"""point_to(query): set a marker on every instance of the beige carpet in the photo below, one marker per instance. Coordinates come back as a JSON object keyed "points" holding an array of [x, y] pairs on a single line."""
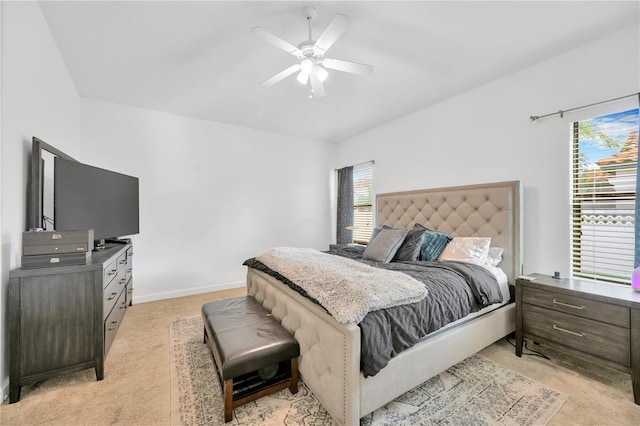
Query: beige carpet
{"points": [[476, 391], [136, 389]]}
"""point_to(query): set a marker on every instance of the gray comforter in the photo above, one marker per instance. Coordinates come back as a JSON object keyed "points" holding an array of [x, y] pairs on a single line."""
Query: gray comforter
{"points": [[455, 289]]}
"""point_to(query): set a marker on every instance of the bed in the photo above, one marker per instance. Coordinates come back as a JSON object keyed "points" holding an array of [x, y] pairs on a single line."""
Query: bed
{"points": [[330, 351]]}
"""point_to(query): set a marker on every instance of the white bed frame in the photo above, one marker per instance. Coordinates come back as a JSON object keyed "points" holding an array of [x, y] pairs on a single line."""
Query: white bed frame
{"points": [[329, 360]]}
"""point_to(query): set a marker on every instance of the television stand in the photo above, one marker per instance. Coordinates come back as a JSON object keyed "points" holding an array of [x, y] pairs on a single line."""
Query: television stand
{"points": [[99, 245], [117, 240]]}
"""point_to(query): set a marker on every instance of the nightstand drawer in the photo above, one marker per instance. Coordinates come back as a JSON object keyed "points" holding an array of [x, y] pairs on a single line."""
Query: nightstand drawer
{"points": [[605, 341], [586, 308]]}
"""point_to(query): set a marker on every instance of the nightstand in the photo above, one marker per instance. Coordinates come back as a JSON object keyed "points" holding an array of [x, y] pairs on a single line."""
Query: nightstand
{"points": [[596, 321]]}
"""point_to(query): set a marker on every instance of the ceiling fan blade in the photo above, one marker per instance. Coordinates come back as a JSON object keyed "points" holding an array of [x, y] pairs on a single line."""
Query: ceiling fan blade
{"points": [[280, 76], [316, 86], [334, 30], [276, 41], [347, 66]]}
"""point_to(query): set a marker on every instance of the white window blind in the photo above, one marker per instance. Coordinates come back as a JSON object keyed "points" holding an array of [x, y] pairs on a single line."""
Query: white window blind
{"points": [[362, 202], [603, 184]]}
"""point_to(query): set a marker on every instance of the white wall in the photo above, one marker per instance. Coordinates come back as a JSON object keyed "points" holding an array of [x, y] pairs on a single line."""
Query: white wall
{"points": [[485, 135], [38, 99], [211, 194]]}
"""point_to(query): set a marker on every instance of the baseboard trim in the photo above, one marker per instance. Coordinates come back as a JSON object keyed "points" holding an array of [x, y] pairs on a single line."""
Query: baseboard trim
{"points": [[186, 292]]}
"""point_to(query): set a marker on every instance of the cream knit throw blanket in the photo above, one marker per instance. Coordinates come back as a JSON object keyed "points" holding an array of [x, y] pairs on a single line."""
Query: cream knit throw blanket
{"points": [[347, 289]]}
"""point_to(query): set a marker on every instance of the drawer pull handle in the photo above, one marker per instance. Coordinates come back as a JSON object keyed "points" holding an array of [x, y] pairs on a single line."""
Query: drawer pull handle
{"points": [[555, 327], [568, 305], [112, 272], [113, 295], [112, 328]]}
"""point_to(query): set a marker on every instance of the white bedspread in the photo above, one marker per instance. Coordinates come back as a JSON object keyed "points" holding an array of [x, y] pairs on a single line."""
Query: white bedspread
{"points": [[347, 289]]}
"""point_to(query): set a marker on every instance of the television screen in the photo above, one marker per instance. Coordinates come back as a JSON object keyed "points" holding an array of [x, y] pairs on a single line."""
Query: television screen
{"points": [[87, 197]]}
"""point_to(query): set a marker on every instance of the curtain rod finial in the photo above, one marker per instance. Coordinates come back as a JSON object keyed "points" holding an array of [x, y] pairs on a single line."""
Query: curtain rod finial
{"points": [[533, 117]]}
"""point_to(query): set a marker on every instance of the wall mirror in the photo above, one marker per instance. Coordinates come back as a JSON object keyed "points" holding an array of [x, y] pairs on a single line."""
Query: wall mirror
{"points": [[40, 211]]}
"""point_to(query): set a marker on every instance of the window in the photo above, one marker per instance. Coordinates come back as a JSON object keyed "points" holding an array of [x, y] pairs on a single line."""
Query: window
{"points": [[604, 162], [362, 203]]}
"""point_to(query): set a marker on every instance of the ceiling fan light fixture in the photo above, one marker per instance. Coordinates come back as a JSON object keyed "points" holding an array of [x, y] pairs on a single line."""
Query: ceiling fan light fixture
{"points": [[306, 66], [321, 73], [302, 77]]}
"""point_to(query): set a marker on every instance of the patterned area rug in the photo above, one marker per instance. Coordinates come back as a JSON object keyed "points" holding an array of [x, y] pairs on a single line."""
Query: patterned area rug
{"points": [[476, 391]]}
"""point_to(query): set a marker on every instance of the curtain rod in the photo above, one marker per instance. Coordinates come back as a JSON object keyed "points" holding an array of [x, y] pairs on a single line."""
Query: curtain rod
{"points": [[561, 112], [362, 162]]}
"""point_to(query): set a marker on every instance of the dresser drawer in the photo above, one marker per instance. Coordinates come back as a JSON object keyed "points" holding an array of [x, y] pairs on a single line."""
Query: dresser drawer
{"points": [[596, 338], [112, 323], [129, 264], [122, 260], [109, 298], [109, 273], [112, 291], [574, 305]]}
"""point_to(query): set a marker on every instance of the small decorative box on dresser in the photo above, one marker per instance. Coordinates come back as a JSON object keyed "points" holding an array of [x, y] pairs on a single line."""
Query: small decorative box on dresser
{"points": [[65, 318], [596, 321]]}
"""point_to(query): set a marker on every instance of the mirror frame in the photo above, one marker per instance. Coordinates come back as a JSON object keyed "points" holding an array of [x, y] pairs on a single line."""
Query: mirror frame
{"points": [[36, 186]]}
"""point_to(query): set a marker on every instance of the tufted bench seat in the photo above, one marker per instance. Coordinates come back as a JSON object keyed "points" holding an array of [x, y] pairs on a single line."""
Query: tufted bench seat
{"points": [[255, 356]]}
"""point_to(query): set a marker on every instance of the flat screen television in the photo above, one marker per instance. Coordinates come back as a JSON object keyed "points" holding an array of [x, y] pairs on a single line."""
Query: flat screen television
{"points": [[87, 197]]}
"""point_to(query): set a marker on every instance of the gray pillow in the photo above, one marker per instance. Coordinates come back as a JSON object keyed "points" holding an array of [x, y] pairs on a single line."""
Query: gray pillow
{"points": [[410, 248], [385, 245], [375, 231]]}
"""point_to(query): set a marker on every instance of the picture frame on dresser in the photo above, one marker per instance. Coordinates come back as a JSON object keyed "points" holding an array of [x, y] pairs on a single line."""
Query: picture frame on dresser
{"points": [[599, 322]]}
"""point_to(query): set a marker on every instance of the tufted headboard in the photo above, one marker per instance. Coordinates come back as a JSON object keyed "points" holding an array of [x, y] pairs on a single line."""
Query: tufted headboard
{"points": [[484, 210]]}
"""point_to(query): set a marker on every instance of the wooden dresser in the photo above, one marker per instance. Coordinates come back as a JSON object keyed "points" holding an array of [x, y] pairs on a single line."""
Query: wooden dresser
{"points": [[596, 321], [65, 318]]}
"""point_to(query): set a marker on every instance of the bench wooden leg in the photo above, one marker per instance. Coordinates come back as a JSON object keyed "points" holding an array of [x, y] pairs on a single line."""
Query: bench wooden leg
{"points": [[228, 400], [294, 375]]}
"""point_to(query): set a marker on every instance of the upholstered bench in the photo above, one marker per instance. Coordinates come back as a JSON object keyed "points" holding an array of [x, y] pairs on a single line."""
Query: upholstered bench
{"points": [[255, 356]]}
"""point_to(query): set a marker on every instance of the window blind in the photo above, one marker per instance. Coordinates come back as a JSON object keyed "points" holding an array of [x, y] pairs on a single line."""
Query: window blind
{"points": [[362, 202], [604, 163]]}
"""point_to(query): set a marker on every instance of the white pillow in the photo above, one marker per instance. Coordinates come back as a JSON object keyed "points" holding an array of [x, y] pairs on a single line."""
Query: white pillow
{"points": [[467, 249], [495, 256]]}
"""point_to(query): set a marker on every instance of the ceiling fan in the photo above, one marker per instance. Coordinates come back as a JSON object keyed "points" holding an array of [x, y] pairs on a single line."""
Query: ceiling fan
{"points": [[312, 64]]}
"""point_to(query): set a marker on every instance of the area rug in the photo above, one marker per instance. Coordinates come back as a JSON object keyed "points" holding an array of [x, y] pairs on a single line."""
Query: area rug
{"points": [[476, 391]]}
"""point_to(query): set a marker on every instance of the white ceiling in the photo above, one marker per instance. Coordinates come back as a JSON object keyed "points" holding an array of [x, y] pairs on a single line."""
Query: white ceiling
{"points": [[199, 59]]}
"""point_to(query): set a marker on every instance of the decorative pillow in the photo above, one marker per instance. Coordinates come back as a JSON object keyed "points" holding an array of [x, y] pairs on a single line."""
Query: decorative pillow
{"points": [[467, 249], [375, 231], [495, 256], [410, 248], [385, 245], [433, 242]]}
